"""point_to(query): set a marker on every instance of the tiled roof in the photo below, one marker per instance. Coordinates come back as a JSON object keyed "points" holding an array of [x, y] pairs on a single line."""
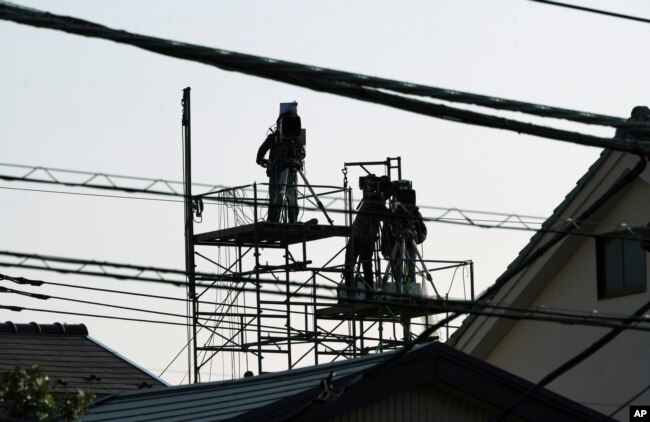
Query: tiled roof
{"points": [[71, 358]]}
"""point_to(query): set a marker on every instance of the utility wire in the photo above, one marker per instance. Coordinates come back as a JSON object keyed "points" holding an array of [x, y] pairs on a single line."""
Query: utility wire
{"points": [[571, 315], [87, 302], [113, 183], [619, 408], [515, 269], [22, 308], [599, 344], [598, 11], [360, 87], [288, 72], [92, 194], [462, 306], [510, 218], [466, 215], [451, 303], [506, 223]]}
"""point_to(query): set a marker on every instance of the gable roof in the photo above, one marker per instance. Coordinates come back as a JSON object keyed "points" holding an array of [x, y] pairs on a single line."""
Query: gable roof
{"points": [[607, 159], [71, 358], [278, 395]]}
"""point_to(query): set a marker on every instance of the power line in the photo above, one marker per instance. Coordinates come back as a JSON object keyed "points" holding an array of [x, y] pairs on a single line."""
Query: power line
{"points": [[135, 272], [462, 306], [293, 72], [588, 9], [634, 397], [523, 263], [509, 218], [504, 220], [507, 222], [234, 277], [147, 184], [449, 306], [597, 345], [87, 302], [359, 87], [98, 180], [22, 308], [91, 194]]}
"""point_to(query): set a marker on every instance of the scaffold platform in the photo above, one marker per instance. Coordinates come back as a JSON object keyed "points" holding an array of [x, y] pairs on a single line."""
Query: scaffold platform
{"points": [[267, 234], [374, 312]]}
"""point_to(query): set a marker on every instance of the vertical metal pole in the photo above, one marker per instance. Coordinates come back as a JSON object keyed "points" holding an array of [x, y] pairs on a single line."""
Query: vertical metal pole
{"points": [[471, 277], [257, 281], [354, 324], [447, 316], [313, 286], [381, 326], [288, 293], [189, 224], [361, 338], [350, 210], [399, 168]]}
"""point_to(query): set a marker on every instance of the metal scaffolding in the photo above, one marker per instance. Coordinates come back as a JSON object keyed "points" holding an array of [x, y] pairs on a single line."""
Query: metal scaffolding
{"points": [[261, 302]]}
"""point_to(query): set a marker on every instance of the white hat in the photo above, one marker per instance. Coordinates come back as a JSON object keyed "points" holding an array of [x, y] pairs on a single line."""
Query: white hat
{"points": [[288, 108]]}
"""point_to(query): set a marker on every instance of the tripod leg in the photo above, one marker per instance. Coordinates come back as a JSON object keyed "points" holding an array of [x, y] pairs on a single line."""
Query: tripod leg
{"points": [[283, 193], [318, 202], [424, 267], [390, 265], [402, 265]]}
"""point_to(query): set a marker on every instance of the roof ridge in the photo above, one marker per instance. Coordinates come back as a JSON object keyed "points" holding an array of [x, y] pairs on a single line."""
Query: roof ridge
{"points": [[35, 328]]}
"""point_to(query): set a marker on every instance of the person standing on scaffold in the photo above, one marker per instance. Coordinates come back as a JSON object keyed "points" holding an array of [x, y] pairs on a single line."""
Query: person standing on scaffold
{"points": [[364, 232], [285, 146], [400, 237]]}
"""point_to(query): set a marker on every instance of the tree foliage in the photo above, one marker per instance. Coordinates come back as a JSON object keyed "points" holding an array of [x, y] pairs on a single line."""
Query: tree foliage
{"points": [[26, 395]]}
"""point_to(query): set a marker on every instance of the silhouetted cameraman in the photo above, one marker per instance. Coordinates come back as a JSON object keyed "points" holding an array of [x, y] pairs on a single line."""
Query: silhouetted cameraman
{"points": [[364, 231], [285, 145], [403, 232]]}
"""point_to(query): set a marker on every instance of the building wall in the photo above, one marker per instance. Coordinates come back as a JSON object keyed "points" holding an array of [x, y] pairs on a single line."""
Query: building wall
{"points": [[619, 370], [418, 404]]}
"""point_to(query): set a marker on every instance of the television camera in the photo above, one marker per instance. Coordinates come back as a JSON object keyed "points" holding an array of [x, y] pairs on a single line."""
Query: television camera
{"points": [[372, 186], [290, 144], [402, 205], [291, 140]]}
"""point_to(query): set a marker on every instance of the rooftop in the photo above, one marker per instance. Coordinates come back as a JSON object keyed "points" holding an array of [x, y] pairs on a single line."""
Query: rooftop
{"points": [[71, 358]]}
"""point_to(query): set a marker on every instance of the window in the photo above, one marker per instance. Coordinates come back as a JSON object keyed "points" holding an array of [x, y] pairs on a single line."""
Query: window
{"points": [[621, 265]]}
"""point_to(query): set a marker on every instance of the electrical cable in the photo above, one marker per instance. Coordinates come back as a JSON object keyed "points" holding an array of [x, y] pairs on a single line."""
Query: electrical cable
{"points": [[627, 402], [511, 218], [575, 360], [474, 222], [360, 87], [23, 308], [507, 311], [493, 288], [87, 302], [417, 301], [588, 9]]}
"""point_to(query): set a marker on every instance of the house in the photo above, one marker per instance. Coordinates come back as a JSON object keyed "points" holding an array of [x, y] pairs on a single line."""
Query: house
{"points": [[71, 358], [601, 268], [430, 382]]}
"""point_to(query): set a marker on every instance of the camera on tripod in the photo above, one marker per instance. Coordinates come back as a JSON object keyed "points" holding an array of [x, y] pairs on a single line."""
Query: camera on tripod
{"points": [[291, 139], [373, 185], [402, 204]]}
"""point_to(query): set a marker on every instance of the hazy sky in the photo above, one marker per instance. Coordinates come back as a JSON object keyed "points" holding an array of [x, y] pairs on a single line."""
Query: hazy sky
{"points": [[77, 103]]}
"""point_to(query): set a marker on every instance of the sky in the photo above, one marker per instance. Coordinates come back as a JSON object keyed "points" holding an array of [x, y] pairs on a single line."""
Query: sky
{"points": [[77, 103]]}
